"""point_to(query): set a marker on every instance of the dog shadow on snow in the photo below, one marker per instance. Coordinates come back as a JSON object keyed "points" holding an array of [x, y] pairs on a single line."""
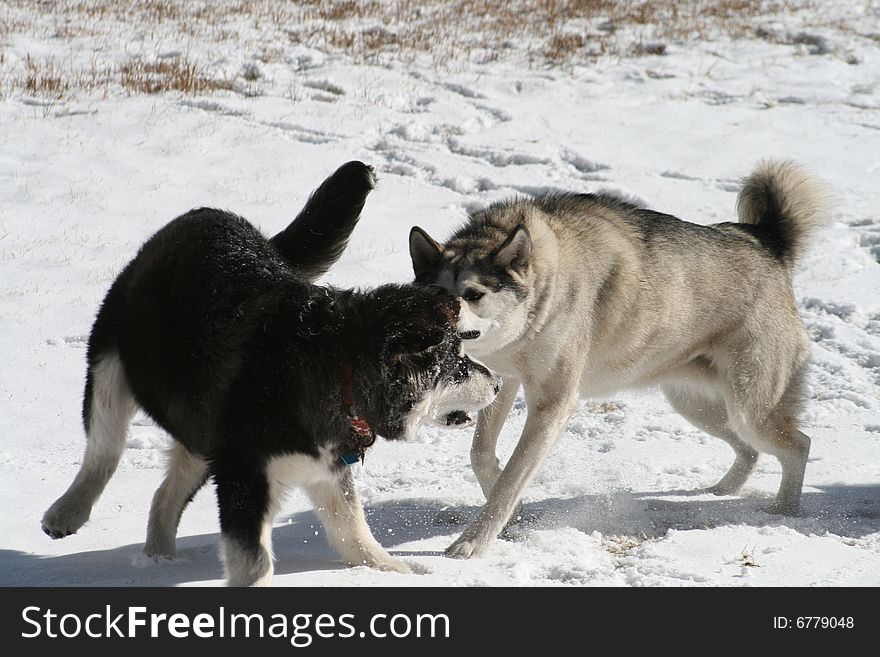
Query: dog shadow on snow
{"points": [[847, 511], [300, 545]]}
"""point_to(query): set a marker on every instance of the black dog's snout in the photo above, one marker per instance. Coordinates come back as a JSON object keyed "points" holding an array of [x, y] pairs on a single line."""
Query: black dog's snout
{"points": [[469, 335]]}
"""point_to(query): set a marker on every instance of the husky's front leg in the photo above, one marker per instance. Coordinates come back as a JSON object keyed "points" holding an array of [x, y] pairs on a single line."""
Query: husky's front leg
{"points": [[484, 460], [342, 515], [545, 421]]}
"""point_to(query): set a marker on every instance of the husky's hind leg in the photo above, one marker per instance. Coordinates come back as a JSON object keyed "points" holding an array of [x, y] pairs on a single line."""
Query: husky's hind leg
{"points": [[710, 415], [778, 435], [764, 413], [107, 409]]}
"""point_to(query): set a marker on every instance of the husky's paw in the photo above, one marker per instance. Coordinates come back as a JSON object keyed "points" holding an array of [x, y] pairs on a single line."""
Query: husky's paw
{"points": [[64, 518], [466, 548]]}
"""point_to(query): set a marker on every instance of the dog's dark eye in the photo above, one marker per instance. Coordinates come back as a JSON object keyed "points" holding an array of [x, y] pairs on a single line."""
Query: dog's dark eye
{"points": [[462, 370], [472, 295]]}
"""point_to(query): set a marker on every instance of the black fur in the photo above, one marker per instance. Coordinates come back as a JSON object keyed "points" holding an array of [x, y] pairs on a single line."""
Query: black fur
{"points": [[317, 237], [311, 244], [777, 232], [221, 337], [240, 359]]}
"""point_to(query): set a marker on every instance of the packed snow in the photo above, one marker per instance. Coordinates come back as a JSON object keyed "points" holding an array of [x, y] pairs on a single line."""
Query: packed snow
{"points": [[619, 501]]}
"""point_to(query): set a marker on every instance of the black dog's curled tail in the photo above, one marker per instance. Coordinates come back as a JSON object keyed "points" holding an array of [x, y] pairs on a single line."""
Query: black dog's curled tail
{"points": [[313, 242], [785, 205]]}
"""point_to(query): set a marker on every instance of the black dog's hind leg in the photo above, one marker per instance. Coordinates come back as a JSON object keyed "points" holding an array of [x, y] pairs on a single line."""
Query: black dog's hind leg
{"points": [[107, 409], [313, 241], [187, 473]]}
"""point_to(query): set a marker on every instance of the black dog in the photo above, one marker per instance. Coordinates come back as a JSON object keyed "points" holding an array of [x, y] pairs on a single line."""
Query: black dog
{"points": [[264, 379]]}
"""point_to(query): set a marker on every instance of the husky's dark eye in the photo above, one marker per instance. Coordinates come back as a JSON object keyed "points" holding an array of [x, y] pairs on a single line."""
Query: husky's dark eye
{"points": [[472, 295]]}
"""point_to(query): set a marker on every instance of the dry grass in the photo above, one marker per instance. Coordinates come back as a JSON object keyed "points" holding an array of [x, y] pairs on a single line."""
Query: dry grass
{"points": [[747, 558], [43, 79], [444, 33], [173, 74], [563, 46]]}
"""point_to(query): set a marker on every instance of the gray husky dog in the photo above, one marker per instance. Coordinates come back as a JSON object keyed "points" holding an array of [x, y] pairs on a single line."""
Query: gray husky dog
{"points": [[582, 295]]}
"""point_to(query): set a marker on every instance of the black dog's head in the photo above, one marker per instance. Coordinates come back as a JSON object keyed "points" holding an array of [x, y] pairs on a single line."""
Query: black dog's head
{"points": [[413, 368]]}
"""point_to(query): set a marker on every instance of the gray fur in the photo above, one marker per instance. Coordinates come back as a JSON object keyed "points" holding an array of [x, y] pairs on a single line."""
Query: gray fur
{"points": [[617, 296]]}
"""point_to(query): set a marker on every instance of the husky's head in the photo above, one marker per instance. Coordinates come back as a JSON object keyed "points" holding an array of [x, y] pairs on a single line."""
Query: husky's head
{"points": [[424, 374], [488, 268]]}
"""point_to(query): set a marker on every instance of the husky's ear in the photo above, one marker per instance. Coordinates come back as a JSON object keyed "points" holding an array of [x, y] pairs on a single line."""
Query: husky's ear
{"points": [[413, 339], [426, 254], [514, 253]]}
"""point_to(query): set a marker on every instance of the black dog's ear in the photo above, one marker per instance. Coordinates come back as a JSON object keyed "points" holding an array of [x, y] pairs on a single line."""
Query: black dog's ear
{"points": [[515, 251], [413, 339], [313, 241], [426, 254]]}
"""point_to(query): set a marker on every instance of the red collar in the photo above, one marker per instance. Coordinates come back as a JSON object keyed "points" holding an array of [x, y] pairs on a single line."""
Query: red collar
{"points": [[364, 435]]}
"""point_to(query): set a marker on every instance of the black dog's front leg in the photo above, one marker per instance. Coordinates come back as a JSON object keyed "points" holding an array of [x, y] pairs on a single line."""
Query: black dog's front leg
{"points": [[246, 514]]}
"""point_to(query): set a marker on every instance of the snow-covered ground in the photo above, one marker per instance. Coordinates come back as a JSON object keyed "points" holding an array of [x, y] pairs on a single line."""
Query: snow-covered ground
{"points": [[84, 181]]}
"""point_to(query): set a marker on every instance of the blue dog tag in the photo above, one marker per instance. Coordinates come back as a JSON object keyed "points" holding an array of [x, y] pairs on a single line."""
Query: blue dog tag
{"points": [[350, 458]]}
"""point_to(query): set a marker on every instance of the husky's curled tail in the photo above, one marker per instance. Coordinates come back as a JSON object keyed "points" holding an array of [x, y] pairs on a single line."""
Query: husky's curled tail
{"points": [[785, 204]]}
